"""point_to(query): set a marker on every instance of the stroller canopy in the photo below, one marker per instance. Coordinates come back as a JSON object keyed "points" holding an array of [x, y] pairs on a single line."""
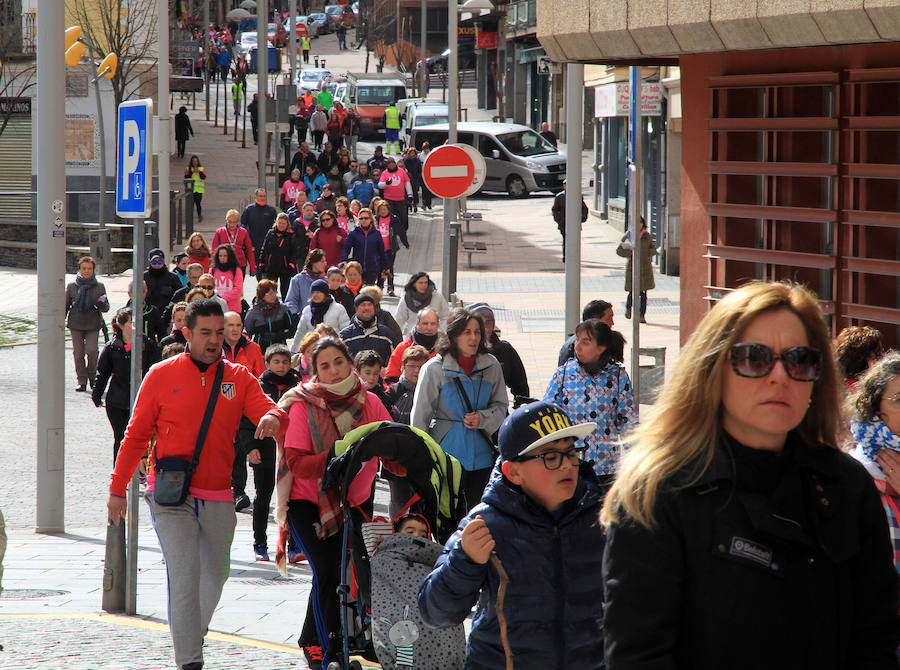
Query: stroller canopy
{"points": [[431, 472]]}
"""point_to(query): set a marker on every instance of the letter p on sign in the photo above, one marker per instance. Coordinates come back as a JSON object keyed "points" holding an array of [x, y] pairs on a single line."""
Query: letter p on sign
{"points": [[133, 198]]}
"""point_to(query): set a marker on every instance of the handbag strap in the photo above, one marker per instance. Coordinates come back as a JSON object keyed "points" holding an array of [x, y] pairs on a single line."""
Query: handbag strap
{"points": [[207, 416], [468, 404]]}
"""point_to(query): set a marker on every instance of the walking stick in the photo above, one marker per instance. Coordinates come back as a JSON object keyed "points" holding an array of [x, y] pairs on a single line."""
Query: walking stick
{"points": [[501, 617]]}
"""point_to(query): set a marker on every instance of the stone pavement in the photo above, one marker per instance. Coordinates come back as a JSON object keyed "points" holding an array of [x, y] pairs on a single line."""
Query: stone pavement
{"points": [[49, 617]]}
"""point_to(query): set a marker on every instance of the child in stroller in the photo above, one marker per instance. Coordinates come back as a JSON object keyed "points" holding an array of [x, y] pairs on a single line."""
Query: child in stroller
{"points": [[400, 563]]}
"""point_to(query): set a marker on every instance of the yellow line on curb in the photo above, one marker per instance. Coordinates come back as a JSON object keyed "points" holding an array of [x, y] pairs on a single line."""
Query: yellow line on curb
{"points": [[137, 622]]}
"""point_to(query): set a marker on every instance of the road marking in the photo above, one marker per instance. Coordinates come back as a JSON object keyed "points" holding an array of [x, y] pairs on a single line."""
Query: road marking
{"points": [[138, 622], [438, 172]]}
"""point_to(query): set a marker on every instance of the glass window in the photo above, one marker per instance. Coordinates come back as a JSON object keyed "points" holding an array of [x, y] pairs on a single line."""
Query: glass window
{"points": [[526, 143], [375, 95]]}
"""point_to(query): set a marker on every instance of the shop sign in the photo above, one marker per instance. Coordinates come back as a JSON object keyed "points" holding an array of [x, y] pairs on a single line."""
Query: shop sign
{"points": [[615, 99], [486, 40]]}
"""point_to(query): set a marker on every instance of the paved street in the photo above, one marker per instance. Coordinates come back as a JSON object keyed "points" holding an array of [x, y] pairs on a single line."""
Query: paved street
{"points": [[54, 583]]}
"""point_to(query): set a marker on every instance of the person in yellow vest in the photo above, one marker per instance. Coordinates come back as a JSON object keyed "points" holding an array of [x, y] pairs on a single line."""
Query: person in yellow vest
{"points": [[305, 43], [197, 175], [237, 95], [391, 128]]}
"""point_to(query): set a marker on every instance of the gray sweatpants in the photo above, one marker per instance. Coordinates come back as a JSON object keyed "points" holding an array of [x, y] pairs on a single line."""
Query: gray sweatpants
{"points": [[195, 539]]}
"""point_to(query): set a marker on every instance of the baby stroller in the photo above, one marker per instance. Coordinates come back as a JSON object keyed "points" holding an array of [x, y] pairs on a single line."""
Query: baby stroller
{"points": [[434, 478]]}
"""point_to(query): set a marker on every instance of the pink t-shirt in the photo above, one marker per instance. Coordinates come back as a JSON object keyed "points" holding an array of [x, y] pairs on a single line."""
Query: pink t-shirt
{"points": [[384, 227], [290, 189], [395, 184], [298, 437]]}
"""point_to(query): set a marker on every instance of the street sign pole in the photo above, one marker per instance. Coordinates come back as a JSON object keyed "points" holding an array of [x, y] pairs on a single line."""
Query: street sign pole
{"points": [[162, 68], [574, 143], [134, 200], [262, 74], [51, 264], [636, 173]]}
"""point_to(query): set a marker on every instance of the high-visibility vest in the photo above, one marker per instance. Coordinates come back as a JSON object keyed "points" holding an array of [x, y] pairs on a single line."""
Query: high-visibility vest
{"points": [[392, 117], [305, 42], [199, 186], [236, 91]]}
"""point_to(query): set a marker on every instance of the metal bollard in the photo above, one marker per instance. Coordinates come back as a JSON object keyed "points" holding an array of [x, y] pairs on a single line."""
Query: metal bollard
{"points": [[114, 569], [652, 376]]}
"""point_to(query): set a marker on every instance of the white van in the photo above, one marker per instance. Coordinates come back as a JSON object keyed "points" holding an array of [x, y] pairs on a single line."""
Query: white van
{"points": [[420, 114], [518, 159]]}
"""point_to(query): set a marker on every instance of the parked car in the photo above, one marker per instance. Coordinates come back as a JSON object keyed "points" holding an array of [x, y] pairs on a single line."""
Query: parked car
{"points": [[248, 42], [518, 160], [311, 77], [325, 25], [440, 63], [417, 113]]}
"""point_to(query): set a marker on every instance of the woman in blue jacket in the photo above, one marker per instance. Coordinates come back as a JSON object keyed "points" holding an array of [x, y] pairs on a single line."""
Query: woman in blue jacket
{"points": [[314, 181], [366, 246], [461, 400]]}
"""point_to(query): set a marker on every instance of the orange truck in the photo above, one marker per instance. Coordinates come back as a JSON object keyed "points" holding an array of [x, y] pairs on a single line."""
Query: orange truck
{"points": [[371, 93]]}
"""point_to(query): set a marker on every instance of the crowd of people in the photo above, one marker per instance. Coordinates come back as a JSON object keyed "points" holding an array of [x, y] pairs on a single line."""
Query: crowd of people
{"points": [[760, 496]]}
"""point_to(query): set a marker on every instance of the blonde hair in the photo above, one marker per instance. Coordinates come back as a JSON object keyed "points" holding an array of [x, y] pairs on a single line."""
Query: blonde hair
{"points": [[373, 291], [684, 428], [231, 213]]}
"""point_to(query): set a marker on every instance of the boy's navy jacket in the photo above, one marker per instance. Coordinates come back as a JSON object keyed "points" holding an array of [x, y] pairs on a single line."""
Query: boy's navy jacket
{"points": [[554, 599]]}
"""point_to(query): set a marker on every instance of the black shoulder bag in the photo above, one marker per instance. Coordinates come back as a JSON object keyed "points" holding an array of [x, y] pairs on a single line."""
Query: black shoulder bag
{"points": [[468, 404], [173, 473]]}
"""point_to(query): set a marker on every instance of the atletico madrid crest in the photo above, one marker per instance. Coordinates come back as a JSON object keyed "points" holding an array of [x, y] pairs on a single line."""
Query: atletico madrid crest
{"points": [[228, 390]]}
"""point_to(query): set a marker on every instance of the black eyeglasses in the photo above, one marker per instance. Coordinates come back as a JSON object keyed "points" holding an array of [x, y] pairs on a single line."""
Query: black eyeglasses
{"points": [[802, 364], [553, 460]]}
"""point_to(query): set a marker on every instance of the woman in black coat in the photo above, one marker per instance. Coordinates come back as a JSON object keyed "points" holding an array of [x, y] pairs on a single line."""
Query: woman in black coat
{"points": [[183, 129], [278, 253], [739, 535], [114, 368]]}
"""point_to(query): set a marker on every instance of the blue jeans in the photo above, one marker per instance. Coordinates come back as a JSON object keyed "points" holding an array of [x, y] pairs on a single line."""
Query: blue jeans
{"points": [[628, 301]]}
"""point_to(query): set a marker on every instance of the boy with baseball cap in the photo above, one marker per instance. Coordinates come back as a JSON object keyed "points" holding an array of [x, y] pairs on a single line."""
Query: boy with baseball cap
{"points": [[537, 524]]}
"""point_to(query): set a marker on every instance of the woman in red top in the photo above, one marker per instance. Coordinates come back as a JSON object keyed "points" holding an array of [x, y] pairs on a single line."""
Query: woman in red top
{"points": [[323, 410], [238, 239], [329, 238], [197, 251]]}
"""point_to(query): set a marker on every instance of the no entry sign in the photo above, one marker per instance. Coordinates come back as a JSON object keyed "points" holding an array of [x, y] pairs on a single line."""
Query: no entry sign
{"points": [[452, 171]]}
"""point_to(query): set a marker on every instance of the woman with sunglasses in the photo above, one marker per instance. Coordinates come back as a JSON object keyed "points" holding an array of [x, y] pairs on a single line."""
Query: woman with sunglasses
{"points": [[329, 238], [738, 534]]}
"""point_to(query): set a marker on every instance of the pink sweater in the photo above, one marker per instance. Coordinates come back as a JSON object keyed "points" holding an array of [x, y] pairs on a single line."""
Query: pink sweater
{"points": [[230, 287], [299, 438]]}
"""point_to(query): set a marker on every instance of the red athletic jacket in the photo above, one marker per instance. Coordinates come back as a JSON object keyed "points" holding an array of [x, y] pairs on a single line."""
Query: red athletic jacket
{"points": [[246, 352], [171, 401]]}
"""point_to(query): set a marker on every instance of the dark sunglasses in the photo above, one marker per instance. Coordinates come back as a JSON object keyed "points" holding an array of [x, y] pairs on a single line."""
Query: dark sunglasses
{"points": [[156, 262], [365, 218], [802, 364]]}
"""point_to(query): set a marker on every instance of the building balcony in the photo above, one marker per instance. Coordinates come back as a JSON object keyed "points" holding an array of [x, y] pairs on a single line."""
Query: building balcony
{"points": [[521, 18]]}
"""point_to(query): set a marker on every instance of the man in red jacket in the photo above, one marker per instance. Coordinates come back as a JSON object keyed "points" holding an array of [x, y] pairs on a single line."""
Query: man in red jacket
{"points": [[241, 350], [195, 537]]}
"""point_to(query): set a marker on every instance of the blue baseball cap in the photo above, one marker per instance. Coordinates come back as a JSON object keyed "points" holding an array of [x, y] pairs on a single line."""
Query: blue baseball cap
{"points": [[536, 424]]}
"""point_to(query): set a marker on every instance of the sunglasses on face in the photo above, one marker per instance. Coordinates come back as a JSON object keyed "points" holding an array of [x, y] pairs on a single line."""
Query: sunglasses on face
{"points": [[156, 262], [553, 460], [365, 218], [802, 364], [207, 287]]}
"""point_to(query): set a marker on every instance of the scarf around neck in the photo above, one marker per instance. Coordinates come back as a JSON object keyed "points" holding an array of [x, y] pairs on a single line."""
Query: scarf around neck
{"points": [[83, 299], [319, 309], [427, 341], [354, 288], [419, 301], [332, 411], [873, 436]]}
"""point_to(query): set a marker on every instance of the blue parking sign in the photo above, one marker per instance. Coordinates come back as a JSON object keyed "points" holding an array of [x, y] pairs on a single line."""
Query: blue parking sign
{"points": [[133, 164]]}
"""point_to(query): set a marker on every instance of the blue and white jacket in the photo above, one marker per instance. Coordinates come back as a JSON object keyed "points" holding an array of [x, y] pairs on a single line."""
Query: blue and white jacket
{"points": [[604, 398], [438, 408]]}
